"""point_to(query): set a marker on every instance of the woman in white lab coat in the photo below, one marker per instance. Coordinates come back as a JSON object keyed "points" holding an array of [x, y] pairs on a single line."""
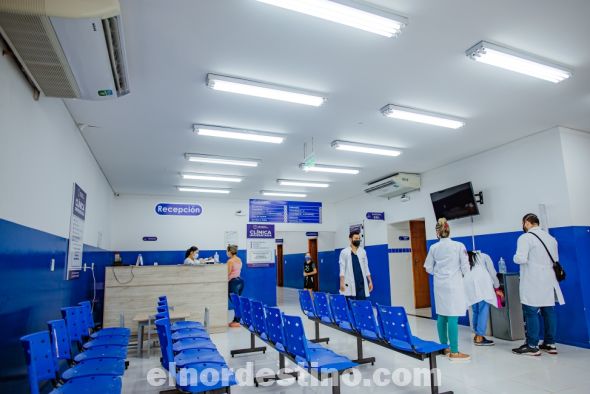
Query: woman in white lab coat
{"points": [[447, 261], [481, 287]]}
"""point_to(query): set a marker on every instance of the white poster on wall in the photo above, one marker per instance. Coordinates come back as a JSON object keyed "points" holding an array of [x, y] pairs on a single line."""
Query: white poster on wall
{"points": [[261, 245], [230, 238], [76, 240]]}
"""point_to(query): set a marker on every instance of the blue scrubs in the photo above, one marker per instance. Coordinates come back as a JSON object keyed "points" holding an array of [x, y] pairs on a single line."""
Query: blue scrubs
{"points": [[359, 281]]}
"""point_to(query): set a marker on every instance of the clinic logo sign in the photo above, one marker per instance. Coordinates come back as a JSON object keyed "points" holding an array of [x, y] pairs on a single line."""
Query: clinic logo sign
{"points": [[261, 231], [167, 209]]}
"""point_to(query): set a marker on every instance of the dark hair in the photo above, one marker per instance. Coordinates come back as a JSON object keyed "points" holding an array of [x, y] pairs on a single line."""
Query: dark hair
{"points": [[353, 233], [190, 250], [531, 218], [472, 258]]}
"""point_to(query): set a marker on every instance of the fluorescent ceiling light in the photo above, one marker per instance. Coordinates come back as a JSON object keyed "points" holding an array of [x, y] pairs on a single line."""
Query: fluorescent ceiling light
{"points": [[264, 90], [286, 182], [208, 177], [420, 116], [365, 148], [201, 190], [329, 169], [282, 194], [230, 161], [517, 61], [237, 134], [353, 14]]}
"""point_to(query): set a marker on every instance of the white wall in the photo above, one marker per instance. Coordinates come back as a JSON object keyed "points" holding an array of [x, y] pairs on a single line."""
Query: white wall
{"points": [[576, 156], [134, 217], [400, 267], [515, 178], [41, 155]]}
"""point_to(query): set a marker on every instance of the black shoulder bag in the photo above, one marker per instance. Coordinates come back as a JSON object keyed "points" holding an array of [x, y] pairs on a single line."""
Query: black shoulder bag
{"points": [[559, 272]]}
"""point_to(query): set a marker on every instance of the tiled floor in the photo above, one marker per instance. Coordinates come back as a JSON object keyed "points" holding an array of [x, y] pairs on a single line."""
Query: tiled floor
{"points": [[492, 369]]}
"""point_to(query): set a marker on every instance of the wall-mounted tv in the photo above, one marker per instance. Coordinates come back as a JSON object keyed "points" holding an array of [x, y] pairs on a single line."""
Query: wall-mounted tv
{"points": [[455, 202]]}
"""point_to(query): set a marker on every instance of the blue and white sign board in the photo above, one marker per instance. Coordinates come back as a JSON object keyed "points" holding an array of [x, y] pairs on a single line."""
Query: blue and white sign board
{"points": [[150, 239], [261, 245], [376, 215], [76, 240], [404, 237], [164, 208], [312, 234], [273, 211]]}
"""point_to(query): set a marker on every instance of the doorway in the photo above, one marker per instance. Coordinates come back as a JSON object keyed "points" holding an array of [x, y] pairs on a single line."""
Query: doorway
{"points": [[280, 262], [312, 248], [418, 245]]}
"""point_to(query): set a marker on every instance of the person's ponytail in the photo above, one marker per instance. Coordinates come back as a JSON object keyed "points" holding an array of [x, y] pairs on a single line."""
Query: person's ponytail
{"points": [[442, 228]]}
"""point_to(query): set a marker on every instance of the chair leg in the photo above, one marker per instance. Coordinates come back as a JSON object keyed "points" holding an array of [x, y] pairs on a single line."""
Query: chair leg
{"points": [[317, 338], [335, 376], [251, 349], [359, 352], [433, 375]]}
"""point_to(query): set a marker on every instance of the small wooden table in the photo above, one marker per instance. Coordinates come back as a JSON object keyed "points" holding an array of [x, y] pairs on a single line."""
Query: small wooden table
{"points": [[145, 320]]}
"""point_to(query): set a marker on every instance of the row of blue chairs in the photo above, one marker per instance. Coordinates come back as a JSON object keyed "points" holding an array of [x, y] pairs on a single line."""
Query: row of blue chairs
{"points": [[186, 344], [286, 335], [388, 328], [95, 360]]}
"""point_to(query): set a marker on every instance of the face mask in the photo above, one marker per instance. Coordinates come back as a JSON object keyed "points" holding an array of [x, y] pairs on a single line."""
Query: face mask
{"points": [[308, 259], [357, 243], [197, 255]]}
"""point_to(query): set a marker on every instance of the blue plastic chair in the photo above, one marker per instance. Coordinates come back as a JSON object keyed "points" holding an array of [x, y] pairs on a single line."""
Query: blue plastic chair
{"points": [[246, 313], [258, 319], [179, 325], [364, 319], [319, 359], [341, 312], [397, 332], [74, 317], [225, 374], [274, 328], [88, 320], [306, 303], [42, 366], [322, 307], [235, 300]]}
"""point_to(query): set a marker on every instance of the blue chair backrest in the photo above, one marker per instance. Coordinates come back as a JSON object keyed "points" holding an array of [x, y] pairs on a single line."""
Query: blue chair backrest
{"points": [[341, 312], [296, 342], [246, 312], [364, 318], [322, 307], [307, 303], [162, 308], [41, 363], [235, 299], [88, 319], [258, 318], [162, 298], [74, 323], [394, 322], [165, 338], [274, 327], [60, 341]]}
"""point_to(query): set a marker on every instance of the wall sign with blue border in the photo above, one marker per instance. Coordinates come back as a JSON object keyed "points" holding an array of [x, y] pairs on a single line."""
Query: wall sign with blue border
{"points": [[271, 211], [312, 234], [178, 209], [150, 239], [376, 215]]}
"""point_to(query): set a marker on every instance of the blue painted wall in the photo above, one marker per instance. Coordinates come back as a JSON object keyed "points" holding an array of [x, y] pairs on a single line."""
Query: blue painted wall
{"points": [[31, 294]]}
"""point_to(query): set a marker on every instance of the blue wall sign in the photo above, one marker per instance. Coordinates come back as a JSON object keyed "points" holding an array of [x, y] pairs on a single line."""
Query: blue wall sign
{"points": [[179, 209], [312, 234], [271, 211], [404, 238], [279, 240], [150, 239], [260, 231], [376, 215]]}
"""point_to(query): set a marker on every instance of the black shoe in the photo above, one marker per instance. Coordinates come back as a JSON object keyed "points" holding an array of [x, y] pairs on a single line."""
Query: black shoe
{"points": [[551, 349], [526, 350], [484, 342]]}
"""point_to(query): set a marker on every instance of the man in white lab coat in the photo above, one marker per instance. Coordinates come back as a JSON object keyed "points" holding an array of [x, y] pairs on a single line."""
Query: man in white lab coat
{"points": [[539, 289], [355, 277]]}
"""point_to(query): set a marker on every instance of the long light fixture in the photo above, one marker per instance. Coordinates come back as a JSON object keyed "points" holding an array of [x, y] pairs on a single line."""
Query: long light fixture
{"points": [[264, 90], [209, 177], [287, 182], [421, 116], [517, 61], [348, 13], [230, 161], [329, 169], [237, 134], [282, 194], [201, 190], [365, 148]]}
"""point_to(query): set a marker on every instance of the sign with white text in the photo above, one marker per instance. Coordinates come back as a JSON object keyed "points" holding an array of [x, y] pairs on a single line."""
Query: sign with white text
{"points": [[76, 240], [261, 245], [178, 209]]}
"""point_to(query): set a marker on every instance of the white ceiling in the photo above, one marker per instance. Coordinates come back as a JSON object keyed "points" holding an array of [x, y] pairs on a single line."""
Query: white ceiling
{"points": [[172, 45]]}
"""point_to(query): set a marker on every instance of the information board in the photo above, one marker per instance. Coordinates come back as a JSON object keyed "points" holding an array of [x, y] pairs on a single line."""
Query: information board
{"points": [[279, 211], [261, 245], [76, 240]]}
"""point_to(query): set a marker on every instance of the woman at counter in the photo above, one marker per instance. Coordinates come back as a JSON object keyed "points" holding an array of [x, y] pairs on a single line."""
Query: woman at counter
{"points": [[191, 255], [235, 282]]}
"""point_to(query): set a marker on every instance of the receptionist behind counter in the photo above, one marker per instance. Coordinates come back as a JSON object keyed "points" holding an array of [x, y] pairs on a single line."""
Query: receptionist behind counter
{"points": [[191, 255]]}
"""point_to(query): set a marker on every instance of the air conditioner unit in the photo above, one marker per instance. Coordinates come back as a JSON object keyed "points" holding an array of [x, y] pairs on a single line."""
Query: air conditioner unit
{"points": [[394, 185], [68, 48]]}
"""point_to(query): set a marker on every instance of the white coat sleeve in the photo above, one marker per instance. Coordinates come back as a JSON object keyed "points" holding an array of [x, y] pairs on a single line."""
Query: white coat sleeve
{"points": [[464, 259], [522, 251], [492, 271], [342, 263], [367, 265], [429, 263]]}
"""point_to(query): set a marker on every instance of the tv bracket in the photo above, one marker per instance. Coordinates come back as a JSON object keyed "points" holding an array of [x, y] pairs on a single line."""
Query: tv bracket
{"points": [[479, 198]]}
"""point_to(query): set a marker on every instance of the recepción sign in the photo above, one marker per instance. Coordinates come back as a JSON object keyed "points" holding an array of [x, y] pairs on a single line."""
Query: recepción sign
{"points": [[150, 239], [179, 209], [376, 215]]}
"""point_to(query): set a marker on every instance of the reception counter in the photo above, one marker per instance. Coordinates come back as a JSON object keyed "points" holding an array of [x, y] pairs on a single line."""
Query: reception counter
{"points": [[133, 290]]}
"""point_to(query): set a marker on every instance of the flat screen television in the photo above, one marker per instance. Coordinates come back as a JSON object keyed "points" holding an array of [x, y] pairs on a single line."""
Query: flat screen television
{"points": [[455, 202]]}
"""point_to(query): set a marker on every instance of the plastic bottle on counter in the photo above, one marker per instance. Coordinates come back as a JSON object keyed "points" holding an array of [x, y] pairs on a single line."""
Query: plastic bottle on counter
{"points": [[139, 260], [502, 266], [216, 257]]}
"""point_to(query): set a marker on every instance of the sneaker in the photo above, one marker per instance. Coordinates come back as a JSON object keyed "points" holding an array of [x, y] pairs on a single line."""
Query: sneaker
{"points": [[459, 357], [447, 351], [551, 349], [526, 350], [234, 324], [483, 342]]}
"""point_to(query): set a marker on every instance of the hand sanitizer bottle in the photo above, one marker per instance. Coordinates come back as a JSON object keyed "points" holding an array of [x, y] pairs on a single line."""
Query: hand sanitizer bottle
{"points": [[502, 265], [216, 257]]}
